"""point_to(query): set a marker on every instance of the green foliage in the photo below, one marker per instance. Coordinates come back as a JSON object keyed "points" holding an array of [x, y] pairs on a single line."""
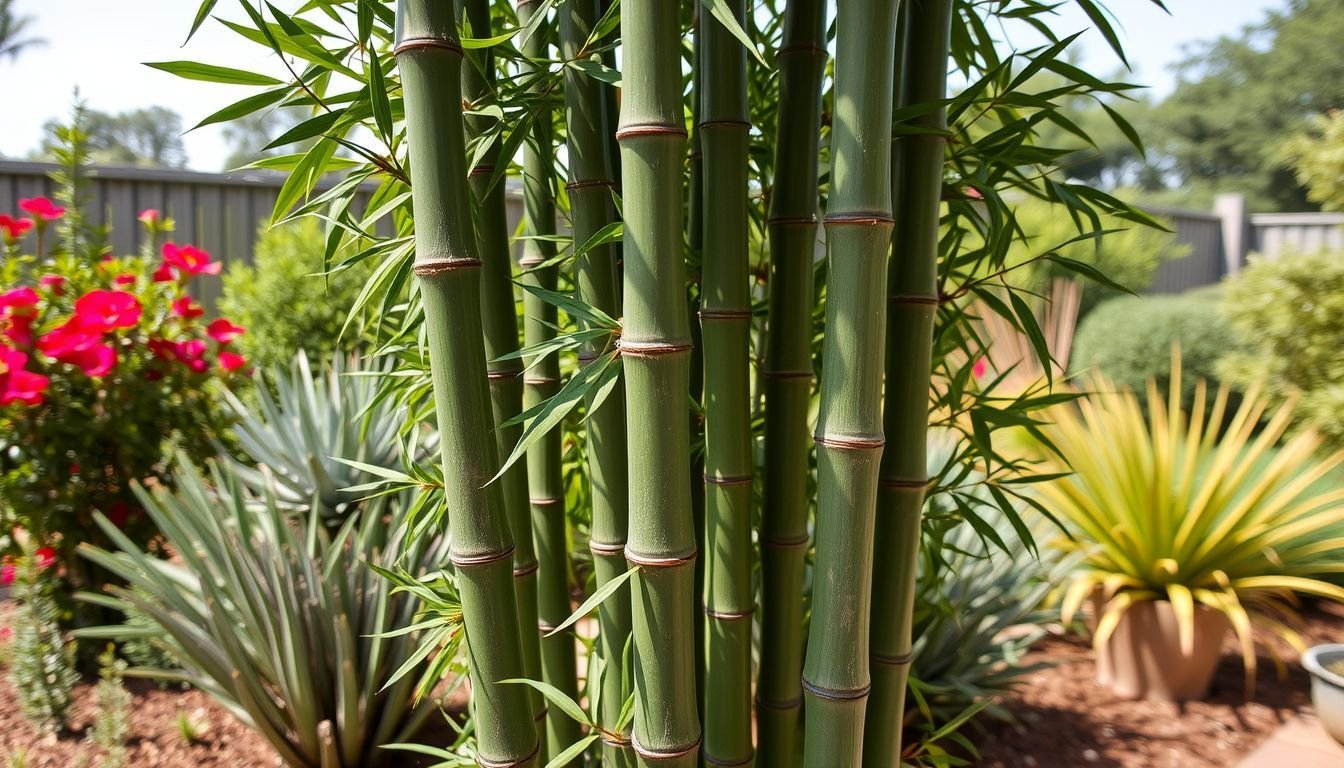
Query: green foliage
{"points": [[1290, 311], [1129, 255], [1129, 341], [278, 618], [1317, 154], [285, 302], [317, 436], [1240, 96], [147, 136], [13, 27], [42, 667], [1170, 507], [112, 718]]}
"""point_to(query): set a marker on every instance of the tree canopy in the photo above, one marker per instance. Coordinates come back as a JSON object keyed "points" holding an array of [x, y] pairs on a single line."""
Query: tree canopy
{"points": [[150, 136]]}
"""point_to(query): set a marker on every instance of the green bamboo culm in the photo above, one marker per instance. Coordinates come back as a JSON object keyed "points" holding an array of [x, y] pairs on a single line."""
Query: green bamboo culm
{"points": [[498, 313], [787, 371], [447, 269], [849, 424], [591, 209], [655, 349], [725, 327], [541, 383], [912, 304]]}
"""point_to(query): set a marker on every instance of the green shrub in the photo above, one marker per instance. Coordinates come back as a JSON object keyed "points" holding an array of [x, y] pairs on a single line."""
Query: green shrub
{"points": [[42, 667], [1129, 340], [285, 302], [1290, 312]]}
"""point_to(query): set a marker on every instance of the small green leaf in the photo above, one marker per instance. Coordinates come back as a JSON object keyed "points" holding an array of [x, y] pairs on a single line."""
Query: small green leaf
{"points": [[192, 70], [597, 598], [246, 106], [555, 696], [309, 128], [721, 11], [202, 13], [572, 751]]}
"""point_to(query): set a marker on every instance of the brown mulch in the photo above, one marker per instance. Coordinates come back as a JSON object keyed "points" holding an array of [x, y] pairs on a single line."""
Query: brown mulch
{"points": [[155, 741], [1065, 719]]}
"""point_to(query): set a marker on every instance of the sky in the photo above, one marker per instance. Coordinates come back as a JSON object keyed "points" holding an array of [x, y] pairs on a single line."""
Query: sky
{"points": [[99, 46]]}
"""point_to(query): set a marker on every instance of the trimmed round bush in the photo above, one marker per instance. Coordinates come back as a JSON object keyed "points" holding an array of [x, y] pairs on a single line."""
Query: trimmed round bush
{"points": [[1129, 339]]}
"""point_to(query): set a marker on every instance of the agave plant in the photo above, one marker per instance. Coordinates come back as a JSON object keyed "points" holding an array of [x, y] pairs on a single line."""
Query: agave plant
{"points": [[305, 442], [1171, 508], [278, 620]]}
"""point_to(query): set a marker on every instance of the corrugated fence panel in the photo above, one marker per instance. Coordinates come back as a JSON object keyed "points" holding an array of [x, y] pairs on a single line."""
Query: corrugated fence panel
{"points": [[1202, 233], [1273, 234]]}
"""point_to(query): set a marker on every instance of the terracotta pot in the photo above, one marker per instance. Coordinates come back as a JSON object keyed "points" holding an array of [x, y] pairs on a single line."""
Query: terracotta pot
{"points": [[1143, 659], [1327, 687]]}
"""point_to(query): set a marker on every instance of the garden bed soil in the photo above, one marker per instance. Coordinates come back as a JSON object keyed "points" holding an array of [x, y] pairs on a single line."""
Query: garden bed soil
{"points": [[1063, 718]]}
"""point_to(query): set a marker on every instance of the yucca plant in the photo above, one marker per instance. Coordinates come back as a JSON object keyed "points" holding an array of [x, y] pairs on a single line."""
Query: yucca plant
{"points": [[277, 618], [1173, 508], [306, 442]]}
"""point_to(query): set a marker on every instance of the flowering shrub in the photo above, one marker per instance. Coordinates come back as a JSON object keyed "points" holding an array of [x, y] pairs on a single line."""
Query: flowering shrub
{"points": [[106, 366]]}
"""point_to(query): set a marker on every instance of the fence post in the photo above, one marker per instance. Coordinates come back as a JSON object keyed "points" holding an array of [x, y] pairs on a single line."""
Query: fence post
{"points": [[1231, 208]]}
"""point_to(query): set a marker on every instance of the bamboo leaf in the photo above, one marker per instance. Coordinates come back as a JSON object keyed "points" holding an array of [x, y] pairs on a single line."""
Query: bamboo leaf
{"points": [[202, 13], [309, 128], [572, 751], [597, 598], [720, 10], [210, 73], [382, 109], [545, 416], [244, 107], [556, 697]]}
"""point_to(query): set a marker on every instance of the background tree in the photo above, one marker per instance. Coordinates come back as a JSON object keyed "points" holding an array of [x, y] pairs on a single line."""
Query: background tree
{"points": [[149, 136], [1317, 154], [12, 28]]}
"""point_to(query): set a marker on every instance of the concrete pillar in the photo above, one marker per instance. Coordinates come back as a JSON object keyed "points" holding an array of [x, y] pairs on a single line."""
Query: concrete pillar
{"points": [[1231, 208]]}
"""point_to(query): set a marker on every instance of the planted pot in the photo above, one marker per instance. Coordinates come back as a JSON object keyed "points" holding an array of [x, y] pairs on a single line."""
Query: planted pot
{"points": [[1326, 665], [1143, 658]]}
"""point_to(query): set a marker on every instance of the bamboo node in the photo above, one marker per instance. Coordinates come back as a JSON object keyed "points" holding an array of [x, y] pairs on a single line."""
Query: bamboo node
{"points": [[658, 561], [911, 299], [613, 740], [729, 479], [605, 548], [525, 570], [649, 129], [787, 374], [730, 615], [543, 502], [725, 314], [859, 218], [726, 762], [903, 660], [432, 267], [664, 754], [579, 184], [780, 706], [484, 169], [501, 375], [792, 543], [651, 348], [725, 124], [792, 221], [848, 443], [476, 561], [836, 694], [417, 43], [801, 48], [545, 627], [540, 381], [485, 762]]}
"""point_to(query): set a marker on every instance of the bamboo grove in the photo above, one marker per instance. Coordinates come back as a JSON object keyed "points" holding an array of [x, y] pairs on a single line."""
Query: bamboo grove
{"points": [[683, 288]]}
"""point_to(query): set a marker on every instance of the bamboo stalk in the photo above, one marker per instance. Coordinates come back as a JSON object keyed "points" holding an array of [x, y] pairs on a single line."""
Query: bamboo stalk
{"points": [[655, 347], [590, 186], [500, 320], [541, 383], [447, 269], [787, 372], [849, 425], [912, 304], [725, 319]]}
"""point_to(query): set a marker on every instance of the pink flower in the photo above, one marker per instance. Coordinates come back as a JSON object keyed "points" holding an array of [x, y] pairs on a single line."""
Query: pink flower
{"points": [[79, 346], [126, 279], [18, 385], [164, 274], [54, 283], [162, 349], [231, 361], [223, 331], [7, 573], [149, 217], [187, 309], [978, 370], [107, 310], [19, 301], [192, 354], [973, 193], [13, 228], [42, 208], [6, 633], [189, 260]]}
